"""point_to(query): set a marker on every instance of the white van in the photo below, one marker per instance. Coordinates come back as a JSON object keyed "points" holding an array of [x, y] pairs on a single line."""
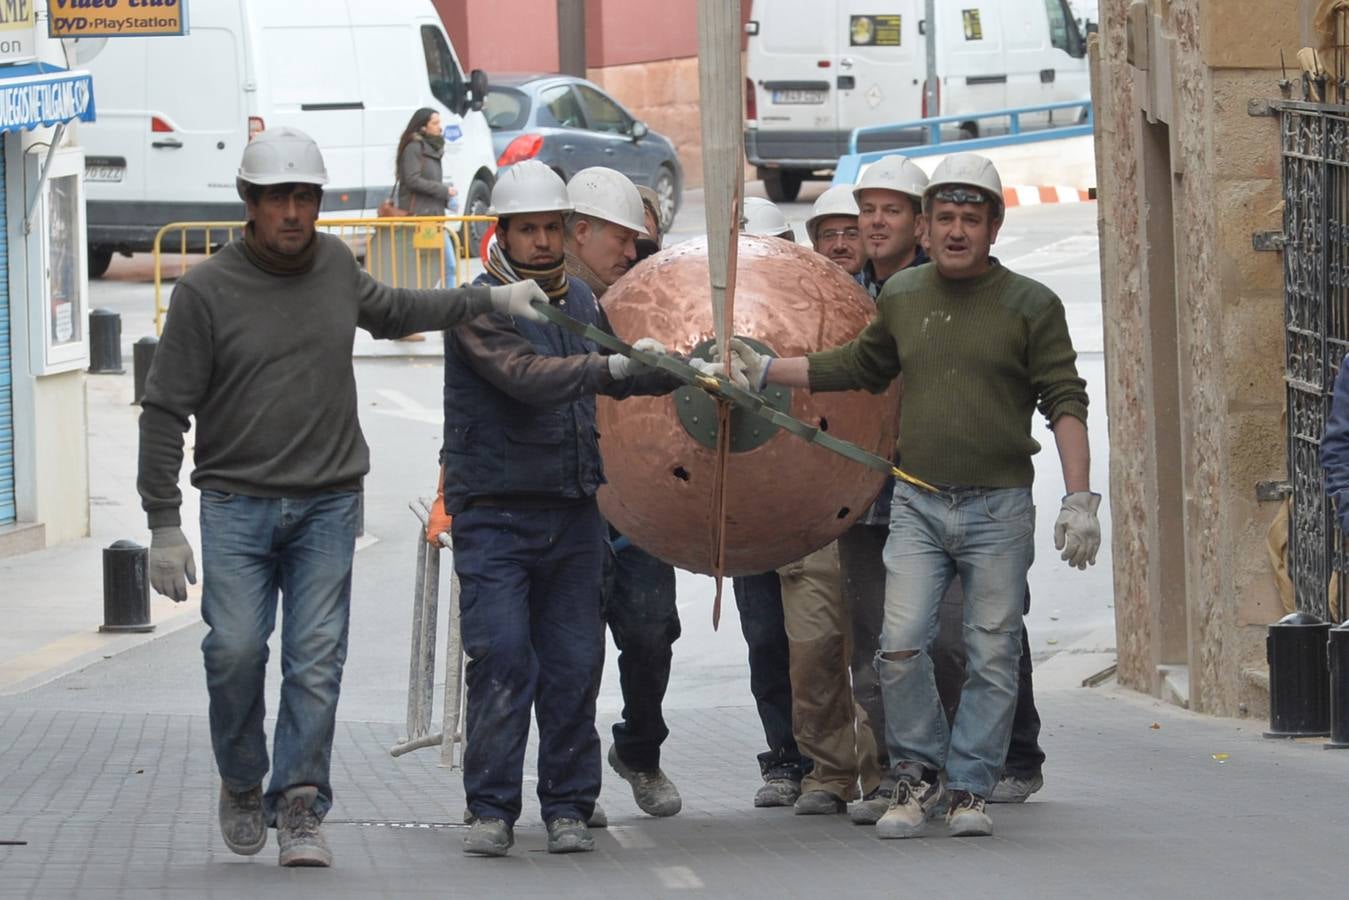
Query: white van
{"points": [[817, 69], [174, 113]]}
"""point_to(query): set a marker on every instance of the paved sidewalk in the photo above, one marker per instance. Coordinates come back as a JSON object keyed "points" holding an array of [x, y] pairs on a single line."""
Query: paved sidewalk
{"points": [[1140, 801]]}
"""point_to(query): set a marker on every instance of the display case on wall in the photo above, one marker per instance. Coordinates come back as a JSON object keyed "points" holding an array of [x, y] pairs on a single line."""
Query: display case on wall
{"points": [[58, 283]]}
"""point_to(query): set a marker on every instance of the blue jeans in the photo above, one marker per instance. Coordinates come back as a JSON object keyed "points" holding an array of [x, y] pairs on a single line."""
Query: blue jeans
{"points": [[529, 609], [987, 537], [759, 601], [251, 549]]}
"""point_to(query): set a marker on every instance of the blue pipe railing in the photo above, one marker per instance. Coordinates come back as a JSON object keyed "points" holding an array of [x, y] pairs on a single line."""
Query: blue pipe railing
{"points": [[851, 163], [933, 123]]}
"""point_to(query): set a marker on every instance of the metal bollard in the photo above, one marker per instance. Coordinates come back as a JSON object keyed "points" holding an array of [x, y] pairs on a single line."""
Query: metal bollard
{"points": [[105, 343], [126, 588], [141, 356], [1299, 681], [1337, 655]]}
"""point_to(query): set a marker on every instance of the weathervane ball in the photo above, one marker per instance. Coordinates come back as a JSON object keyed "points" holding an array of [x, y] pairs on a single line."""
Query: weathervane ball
{"points": [[784, 497]]}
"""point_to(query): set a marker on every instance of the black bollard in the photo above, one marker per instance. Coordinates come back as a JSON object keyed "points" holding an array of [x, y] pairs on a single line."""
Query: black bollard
{"points": [[1337, 654], [126, 588], [141, 356], [1299, 681], [105, 343]]}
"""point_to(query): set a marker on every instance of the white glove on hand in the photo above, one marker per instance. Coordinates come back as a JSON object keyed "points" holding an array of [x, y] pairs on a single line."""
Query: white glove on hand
{"points": [[714, 367], [1076, 531], [514, 299], [172, 568], [621, 367], [753, 363]]}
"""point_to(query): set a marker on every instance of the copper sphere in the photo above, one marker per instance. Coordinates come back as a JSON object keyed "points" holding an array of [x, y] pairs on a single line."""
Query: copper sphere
{"points": [[785, 497]]}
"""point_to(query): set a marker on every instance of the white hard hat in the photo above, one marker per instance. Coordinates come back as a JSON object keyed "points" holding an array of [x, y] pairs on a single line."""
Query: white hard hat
{"points": [[893, 173], [837, 201], [608, 195], [761, 217], [528, 186], [969, 169], [281, 155]]}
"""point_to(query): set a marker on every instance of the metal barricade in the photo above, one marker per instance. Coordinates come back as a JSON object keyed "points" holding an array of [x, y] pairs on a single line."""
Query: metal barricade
{"points": [[401, 251], [422, 665]]}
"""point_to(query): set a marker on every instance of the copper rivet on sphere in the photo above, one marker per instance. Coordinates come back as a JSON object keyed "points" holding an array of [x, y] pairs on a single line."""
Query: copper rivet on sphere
{"points": [[785, 497]]}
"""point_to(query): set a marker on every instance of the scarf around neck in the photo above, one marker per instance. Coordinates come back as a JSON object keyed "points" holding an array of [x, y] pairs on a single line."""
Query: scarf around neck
{"points": [[577, 268], [433, 142], [553, 279], [274, 263]]}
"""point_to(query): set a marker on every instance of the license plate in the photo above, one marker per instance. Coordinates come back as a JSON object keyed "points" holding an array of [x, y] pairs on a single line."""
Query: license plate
{"points": [[799, 97], [104, 173]]}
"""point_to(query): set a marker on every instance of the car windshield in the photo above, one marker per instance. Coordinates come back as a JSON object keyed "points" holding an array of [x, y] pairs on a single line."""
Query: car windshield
{"points": [[505, 109]]}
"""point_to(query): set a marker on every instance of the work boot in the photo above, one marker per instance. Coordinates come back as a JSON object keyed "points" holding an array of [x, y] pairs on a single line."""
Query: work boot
{"points": [[655, 793], [913, 802], [779, 791], [1016, 788], [241, 822], [967, 816], [598, 817], [569, 836], [819, 803], [869, 809], [488, 837], [297, 829]]}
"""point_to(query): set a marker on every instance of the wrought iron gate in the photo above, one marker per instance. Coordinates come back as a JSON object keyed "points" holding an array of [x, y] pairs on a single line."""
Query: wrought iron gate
{"points": [[1315, 162]]}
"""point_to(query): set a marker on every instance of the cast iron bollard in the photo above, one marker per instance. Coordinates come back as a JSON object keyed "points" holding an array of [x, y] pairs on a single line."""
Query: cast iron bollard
{"points": [[126, 588], [1299, 681], [1337, 654], [141, 356], [105, 343]]}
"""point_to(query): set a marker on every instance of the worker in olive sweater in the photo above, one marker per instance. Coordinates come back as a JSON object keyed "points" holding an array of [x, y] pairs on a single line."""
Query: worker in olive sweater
{"points": [[257, 348], [980, 348]]}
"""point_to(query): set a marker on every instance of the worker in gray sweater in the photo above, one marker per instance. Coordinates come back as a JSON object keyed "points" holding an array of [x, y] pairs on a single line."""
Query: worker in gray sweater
{"points": [[257, 348]]}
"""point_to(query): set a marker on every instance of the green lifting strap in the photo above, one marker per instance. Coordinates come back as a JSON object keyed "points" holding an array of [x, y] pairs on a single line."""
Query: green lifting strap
{"points": [[722, 387]]}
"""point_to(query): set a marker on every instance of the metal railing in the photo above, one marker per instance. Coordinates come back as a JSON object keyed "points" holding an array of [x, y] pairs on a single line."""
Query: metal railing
{"points": [[1080, 125], [401, 251], [422, 666], [1314, 150]]}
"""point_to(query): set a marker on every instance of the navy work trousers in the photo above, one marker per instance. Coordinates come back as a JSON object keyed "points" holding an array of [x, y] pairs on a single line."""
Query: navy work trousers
{"points": [[530, 613], [759, 600]]}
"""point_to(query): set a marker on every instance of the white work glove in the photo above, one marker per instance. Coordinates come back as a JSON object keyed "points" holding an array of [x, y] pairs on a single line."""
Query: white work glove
{"points": [[172, 568], [1076, 531], [514, 299], [621, 367], [713, 367], [753, 363]]}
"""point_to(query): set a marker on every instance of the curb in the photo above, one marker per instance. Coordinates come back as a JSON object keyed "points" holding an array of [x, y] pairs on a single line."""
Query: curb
{"points": [[1034, 195]]}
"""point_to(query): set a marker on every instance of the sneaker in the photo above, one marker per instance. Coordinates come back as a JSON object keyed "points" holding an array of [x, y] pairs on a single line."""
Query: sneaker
{"points": [[598, 817], [488, 837], [869, 809], [819, 803], [967, 816], [298, 832], [241, 822], [1016, 788], [569, 836], [913, 802], [777, 792], [655, 794]]}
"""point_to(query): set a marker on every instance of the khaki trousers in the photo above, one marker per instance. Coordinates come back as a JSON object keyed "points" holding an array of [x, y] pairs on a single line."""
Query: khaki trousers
{"points": [[828, 725]]}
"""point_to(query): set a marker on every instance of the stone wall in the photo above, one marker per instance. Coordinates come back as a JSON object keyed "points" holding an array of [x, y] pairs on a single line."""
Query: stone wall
{"points": [[664, 95], [1196, 66]]}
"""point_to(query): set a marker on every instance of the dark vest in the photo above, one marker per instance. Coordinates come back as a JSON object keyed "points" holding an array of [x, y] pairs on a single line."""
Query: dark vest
{"points": [[499, 447]]}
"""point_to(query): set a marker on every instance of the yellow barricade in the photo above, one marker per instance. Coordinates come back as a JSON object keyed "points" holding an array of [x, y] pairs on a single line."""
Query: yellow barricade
{"points": [[402, 251]]}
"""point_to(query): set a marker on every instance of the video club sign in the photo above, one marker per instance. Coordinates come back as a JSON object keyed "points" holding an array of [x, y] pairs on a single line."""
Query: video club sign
{"points": [[115, 18]]}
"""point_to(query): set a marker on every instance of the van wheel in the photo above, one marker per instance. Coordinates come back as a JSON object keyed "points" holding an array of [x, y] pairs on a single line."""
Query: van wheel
{"points": [[99, 260], [968, 131], [478, 201], [782, 186]]}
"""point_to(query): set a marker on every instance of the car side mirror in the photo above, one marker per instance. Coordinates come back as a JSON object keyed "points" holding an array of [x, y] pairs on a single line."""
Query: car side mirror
{"points": [[639, 130], [477, 86]]}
